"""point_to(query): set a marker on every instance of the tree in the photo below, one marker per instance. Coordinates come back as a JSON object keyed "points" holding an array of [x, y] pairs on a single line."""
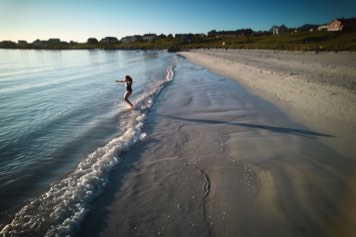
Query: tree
{"points": [[162, 36]]}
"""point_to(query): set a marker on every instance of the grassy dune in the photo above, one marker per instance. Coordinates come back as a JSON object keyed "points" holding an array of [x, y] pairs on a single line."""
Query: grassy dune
{"points": [[330, 41]]}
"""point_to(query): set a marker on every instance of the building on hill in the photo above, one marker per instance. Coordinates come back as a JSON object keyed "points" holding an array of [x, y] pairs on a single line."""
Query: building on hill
{"points": [[279, 30], [185, 38], [129, 39], [212, 33], [226, 34], [308, 27], [37, 43], [109, 40], [54, 41], [342, 24], [149, 37]]}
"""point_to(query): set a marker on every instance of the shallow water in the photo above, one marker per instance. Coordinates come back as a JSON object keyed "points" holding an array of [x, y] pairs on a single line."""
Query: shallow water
{"points": [[63, 127]]}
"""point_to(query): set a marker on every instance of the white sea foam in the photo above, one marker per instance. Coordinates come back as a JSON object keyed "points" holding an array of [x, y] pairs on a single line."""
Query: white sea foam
{"points": [[170, 73], [59, 211]]}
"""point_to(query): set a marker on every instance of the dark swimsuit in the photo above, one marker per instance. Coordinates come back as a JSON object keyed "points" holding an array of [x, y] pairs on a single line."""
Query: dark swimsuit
{"points": [[128, 87]]}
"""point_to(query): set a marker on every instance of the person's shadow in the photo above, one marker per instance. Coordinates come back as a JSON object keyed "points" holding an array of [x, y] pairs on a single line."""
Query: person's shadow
{"points": [[294, 131]]}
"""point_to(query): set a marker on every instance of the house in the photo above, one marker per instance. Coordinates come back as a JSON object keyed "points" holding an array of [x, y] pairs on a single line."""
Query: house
{"points": [[54, 41], [149, 37], [37, 43], [185, 38], [109, 40], [274, 30], [307, 27], [342, 25], [226, 34], [212, 33], [279, 30], [129, 39]]}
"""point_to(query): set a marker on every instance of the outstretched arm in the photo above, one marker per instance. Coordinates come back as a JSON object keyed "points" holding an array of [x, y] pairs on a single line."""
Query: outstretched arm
{"points": [[119, 81]]}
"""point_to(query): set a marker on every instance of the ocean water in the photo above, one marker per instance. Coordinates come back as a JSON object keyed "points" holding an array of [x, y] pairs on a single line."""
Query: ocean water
{"points": [[63, 127]]}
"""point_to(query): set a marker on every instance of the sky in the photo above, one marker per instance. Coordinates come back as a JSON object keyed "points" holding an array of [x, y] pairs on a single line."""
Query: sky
{"points": [[79, 20]]}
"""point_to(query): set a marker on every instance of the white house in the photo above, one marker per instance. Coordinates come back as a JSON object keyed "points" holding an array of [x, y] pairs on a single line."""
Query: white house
{"points": [[279, 30]]}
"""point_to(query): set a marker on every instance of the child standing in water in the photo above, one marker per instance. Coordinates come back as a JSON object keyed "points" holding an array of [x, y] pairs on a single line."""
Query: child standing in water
{"points": [[128, 84]]}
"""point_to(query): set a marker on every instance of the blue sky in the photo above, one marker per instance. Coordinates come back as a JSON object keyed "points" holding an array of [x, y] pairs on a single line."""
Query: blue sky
{"points": [[80, 19]]}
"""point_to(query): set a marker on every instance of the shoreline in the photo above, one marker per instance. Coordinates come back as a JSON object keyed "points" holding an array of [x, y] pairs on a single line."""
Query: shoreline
{"points": [[220, 161], [315, 90]]}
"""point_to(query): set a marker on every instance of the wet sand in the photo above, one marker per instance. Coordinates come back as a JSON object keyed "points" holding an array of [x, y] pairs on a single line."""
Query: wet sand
{"points": [[316, 90], [219, 161]]}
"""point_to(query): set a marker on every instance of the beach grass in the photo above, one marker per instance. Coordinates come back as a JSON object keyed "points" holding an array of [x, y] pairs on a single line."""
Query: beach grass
{"points": [[329, 41]]}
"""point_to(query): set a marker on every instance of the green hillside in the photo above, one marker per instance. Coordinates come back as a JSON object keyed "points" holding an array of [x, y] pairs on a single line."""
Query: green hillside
{"points": [[326, 41]]}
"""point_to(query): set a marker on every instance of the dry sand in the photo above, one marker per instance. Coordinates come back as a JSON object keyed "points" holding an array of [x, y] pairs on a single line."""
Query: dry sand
{"points": [[316, 90], [219, 161]]}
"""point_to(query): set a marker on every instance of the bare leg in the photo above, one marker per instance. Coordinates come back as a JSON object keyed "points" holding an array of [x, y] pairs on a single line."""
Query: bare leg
{"points": [[126, 98]]}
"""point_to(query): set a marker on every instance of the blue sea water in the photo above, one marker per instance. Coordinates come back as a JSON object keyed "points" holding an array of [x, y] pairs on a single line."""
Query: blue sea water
{"points": [[63, 127]]}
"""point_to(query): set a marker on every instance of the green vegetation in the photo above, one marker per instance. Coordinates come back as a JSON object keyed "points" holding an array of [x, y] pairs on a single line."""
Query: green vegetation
{"points": [[327, 41]]}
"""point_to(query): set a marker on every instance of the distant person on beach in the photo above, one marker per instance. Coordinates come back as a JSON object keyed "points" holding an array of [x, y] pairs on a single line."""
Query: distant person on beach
{"points": [[128, 84], [317, 50]]}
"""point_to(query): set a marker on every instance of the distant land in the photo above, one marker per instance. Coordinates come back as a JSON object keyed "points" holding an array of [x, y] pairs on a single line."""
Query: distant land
{"points": [[338, 35]]}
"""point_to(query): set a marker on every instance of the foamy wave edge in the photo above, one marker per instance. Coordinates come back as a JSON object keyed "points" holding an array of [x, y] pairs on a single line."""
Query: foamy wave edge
{"points": [[59, 211]]}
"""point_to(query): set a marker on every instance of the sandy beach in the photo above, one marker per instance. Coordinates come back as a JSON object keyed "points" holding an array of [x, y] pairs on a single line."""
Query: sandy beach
{"points": [[219, 161], [316, 90]]}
